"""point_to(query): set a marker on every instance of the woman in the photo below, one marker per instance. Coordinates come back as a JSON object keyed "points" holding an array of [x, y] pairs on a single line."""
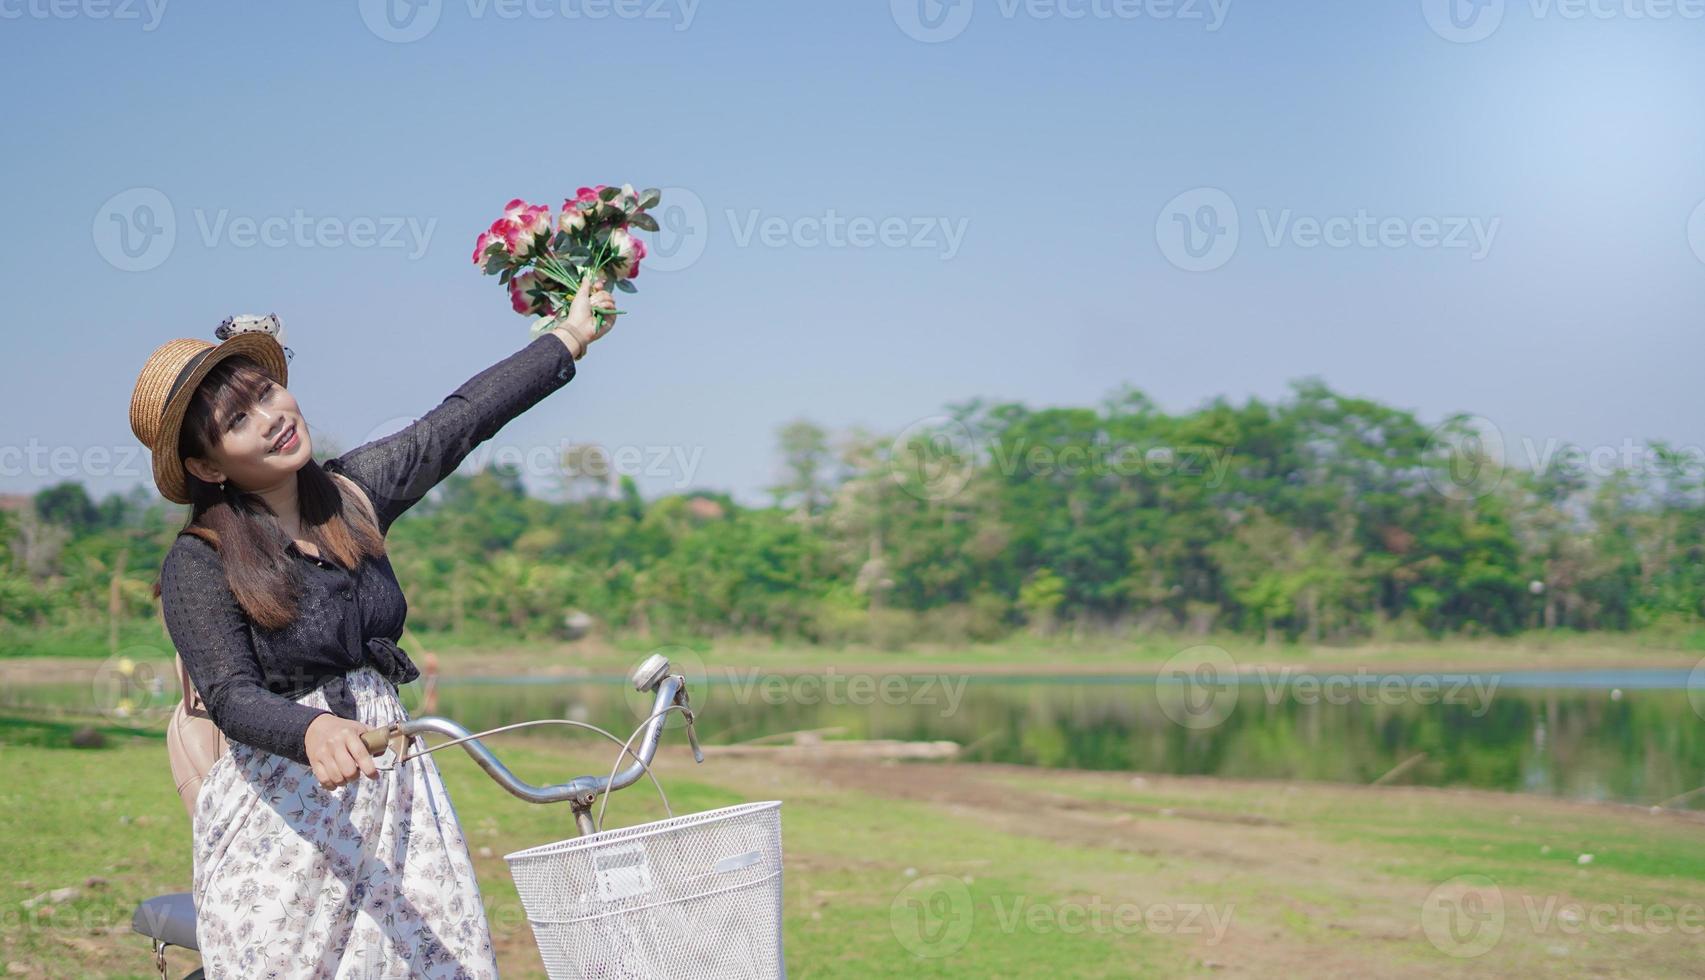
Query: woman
{"points": [[312, 858]]}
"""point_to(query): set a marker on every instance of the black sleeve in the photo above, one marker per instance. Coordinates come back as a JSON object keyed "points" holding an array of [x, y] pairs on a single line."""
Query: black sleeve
{"points": [[397, 470], [212, 636]]}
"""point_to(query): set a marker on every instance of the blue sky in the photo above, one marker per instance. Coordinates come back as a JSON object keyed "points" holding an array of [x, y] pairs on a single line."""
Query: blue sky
{"points": [[1486, 212]]}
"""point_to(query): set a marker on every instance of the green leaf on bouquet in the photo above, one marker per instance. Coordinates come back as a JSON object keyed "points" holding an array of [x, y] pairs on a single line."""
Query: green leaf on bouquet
{"points": [[495, 263], [609, 194], [507, 275], [558, 240], [626, 286], [643, 221], [649, 197]]}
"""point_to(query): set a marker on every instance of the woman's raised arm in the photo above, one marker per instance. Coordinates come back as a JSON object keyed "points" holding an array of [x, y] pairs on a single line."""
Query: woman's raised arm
{"points": [[397, 470]]}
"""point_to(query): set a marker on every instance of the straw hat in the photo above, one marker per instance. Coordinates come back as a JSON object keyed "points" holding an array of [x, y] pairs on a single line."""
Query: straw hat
{"points": [[168, 381]]}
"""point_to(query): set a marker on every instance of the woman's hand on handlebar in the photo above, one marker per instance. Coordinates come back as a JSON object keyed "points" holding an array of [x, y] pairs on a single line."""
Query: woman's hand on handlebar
{"points": [[335, 751]]}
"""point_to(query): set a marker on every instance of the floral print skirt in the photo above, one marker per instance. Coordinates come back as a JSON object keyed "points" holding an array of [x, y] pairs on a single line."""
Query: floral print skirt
{"points": [[370, 880]]}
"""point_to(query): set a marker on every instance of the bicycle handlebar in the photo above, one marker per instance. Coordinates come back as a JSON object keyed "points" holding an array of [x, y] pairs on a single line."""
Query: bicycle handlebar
{"points": [[653, 674]]}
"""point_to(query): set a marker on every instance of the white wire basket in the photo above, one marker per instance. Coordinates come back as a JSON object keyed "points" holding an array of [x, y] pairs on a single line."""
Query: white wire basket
{"points": [[693, 896]]}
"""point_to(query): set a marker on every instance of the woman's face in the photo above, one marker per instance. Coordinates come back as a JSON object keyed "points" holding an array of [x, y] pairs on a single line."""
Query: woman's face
{"points": [[258, 447]]}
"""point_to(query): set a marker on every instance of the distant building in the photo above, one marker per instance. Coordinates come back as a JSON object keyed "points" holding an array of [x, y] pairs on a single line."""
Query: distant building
{"points": [[704, 507], [16, 503]]}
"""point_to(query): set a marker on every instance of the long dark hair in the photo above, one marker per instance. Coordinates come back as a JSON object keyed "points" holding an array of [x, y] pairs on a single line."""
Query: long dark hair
{"points": [[251, 545]]}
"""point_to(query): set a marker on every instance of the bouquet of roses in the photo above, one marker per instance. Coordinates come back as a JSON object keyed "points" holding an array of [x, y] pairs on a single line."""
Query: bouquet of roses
{"points": [[545, 261]]}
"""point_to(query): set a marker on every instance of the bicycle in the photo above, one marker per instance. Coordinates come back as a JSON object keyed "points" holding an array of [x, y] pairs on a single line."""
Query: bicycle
{"points": [[698, 894]]}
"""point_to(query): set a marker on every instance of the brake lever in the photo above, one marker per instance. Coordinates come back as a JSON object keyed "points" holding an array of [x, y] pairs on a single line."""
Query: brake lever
{"points": [[693, 740], [682, 699]]}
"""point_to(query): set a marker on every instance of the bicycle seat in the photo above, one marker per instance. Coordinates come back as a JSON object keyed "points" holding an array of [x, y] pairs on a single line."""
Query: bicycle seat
{"points": [[168, 918]]}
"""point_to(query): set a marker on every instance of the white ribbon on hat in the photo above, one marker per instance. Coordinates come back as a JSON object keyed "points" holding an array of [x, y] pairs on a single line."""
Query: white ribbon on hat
{"points": [[251, 323], [254, 323]]}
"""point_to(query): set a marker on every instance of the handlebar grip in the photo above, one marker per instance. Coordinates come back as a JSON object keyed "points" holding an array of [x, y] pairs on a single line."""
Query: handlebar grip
{"points": [[375, 739]]}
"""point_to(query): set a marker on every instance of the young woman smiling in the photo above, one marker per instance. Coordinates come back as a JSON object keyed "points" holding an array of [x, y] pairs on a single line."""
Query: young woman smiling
{"points": [[313, 858]]}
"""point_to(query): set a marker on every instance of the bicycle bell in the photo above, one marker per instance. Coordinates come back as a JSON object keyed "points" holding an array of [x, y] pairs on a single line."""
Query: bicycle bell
{"points": [[650, 673]]}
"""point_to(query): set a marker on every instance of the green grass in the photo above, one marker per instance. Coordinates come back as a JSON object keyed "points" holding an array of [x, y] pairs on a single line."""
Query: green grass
{"points": [[1306, 875], [112, 813], [145, 637], [1027, 655], [1020, 651], [1530, 848]]}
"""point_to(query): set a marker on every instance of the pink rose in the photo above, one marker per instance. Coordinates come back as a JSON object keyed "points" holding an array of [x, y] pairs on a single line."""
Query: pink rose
{"points": [[484, 242], [505, 231], [587, 195], [527, 296], [521, 226], [629, 250]]}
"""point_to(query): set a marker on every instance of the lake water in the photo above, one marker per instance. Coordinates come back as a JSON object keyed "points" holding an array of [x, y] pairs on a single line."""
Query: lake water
{"points": [[1632, 736], [1626, 736]]}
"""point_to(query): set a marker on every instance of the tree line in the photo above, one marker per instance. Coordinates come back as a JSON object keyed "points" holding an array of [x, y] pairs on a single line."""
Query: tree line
{"points": [[1318, 517]]}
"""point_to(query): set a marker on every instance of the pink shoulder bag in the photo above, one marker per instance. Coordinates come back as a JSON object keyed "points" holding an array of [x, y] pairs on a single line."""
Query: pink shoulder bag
{"points": [[193, 742]]}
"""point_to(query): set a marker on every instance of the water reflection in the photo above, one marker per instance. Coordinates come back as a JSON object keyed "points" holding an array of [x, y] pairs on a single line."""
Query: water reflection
{"points": [[1641, 745], [1623, 736]]}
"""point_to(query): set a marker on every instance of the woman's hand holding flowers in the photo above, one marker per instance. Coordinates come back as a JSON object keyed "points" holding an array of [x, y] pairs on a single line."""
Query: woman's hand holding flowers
{"points": [[590, 316]]}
